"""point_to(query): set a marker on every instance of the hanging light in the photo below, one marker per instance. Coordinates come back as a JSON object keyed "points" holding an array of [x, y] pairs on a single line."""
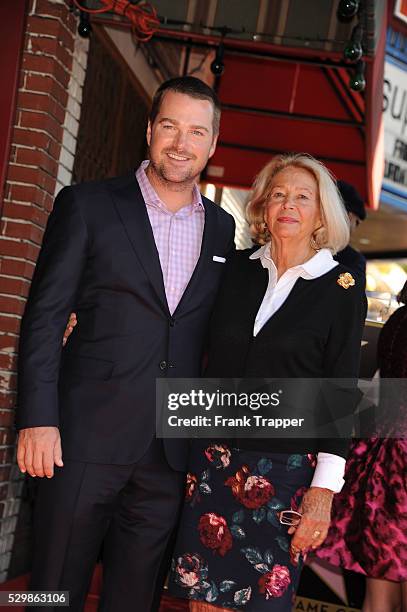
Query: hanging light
{"points": [[353, 50], [357, 81], [84, 26], [217, 66], [347, 9]]}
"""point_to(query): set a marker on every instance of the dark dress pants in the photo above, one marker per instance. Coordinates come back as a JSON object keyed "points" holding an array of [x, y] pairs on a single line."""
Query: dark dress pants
{"points": [[132, 509]]}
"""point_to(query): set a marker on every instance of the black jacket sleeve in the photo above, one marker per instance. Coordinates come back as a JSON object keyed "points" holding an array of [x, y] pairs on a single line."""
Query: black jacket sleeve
{"points": [[341, 369], [51, 299]]}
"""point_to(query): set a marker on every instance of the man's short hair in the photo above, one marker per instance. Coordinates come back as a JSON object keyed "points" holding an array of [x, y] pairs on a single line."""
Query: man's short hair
{"points": [[352, 199], [190, 86]]}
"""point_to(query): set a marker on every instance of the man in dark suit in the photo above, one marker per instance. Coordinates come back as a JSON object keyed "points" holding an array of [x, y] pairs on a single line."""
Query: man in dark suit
{"points": [[139, 258], [356, 212]]}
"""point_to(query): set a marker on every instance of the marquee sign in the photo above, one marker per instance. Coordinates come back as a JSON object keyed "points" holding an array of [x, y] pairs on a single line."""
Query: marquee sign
{"points": [[395, 129]]}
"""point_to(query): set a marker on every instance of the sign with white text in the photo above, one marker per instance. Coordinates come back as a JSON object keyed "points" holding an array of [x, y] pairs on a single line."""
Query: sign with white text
{"points": [[395, 128]]}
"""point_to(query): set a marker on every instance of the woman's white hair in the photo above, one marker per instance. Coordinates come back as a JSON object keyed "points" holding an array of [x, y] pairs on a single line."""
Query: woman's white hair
{"points": [[334, 233]]}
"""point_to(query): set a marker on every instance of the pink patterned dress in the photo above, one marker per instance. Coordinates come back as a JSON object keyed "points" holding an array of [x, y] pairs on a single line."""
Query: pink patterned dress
{"points": [[369, 529]]}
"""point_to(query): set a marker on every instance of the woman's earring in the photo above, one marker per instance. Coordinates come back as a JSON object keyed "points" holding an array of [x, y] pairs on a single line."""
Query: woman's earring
{"points": [[313, 244]]}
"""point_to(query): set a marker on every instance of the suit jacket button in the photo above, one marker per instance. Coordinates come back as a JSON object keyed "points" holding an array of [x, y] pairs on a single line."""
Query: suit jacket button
{"points": [[162, 365]]}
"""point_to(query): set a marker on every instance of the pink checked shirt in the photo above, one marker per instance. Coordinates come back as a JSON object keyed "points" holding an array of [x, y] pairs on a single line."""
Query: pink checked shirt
{"points": [[178, 237]]}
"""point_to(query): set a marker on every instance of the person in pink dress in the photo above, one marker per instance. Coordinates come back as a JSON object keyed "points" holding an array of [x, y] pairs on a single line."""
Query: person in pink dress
{"points": [[368, 533]]}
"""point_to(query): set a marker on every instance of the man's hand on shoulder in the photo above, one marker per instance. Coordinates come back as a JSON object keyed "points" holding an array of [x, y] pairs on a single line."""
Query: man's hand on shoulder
{"points": [[39, 449]]}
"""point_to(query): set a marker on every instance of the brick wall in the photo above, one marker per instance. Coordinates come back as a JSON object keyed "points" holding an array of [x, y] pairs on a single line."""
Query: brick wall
{"points": [[43, 146]]}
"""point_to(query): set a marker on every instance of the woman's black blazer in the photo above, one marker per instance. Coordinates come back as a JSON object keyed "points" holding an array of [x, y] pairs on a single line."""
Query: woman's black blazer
{"points": [[316, 333]]}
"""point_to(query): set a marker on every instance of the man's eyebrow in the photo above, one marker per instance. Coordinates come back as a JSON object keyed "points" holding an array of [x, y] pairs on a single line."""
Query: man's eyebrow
{"points": [[169, 120], [200, 127], [175, 122]]}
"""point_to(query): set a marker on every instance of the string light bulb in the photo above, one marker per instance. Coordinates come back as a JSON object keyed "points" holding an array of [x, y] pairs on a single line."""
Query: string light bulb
{"points": [[217, 66], [353, 51], [347, 9], [357, 81], [84, 26]]}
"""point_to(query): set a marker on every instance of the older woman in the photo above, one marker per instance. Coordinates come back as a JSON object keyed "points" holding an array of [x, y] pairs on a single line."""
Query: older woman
{"points": [[286, 310]]}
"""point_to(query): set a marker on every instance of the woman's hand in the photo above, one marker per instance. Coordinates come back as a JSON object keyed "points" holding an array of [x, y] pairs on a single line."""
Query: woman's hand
{"points": [[69, 327], [316, 517]]}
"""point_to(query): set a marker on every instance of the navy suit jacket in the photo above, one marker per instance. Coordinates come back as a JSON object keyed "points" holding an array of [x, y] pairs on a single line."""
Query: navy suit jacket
{"points": [[100, 260]]}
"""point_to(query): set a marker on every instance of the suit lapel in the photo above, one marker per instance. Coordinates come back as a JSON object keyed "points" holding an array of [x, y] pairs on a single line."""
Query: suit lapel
{"points": [[257, 281], [205, 255], [289, 303], [132, 211]]}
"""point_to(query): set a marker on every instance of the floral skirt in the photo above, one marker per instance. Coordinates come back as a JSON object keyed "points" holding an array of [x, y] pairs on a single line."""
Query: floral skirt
{"points": [[368, 533], [231, 550]]}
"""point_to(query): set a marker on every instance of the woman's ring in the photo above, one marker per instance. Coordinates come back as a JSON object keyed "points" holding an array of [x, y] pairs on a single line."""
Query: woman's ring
{"points": [[316, 534]]}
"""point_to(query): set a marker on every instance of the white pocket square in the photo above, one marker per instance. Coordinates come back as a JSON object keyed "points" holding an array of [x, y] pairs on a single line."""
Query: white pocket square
{"points": [[219, 259]]}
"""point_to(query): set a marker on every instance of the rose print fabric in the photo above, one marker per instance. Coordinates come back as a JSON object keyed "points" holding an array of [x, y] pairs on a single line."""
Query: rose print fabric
{"points": [[368, 533], [231, 549]]}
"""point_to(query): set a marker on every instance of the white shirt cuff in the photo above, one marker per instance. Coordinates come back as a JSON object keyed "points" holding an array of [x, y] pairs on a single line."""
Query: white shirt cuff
{"points": [[329, 472]]}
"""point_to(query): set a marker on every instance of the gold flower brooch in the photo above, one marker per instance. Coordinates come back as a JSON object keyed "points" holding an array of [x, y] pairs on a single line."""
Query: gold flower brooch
{"points": [[346, 280]]}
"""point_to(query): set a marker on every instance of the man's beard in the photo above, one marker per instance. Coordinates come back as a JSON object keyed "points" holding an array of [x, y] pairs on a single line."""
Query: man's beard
{"points": [[166, 175]]}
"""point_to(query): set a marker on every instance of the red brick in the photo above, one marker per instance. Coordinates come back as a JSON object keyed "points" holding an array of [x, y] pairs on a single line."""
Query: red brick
{"points": [[72, 23], [53, 47], [62, 53], [29, 138], [26, 212], [33, 251], [66, 34], [8, 342], [38, 82], [25, 231], [54, 149], [59, 93], [48, 85], [13, 152], [38, 159], [16, 267], [7, 402], [41, 25], [7, 436], [31, 176], [7, 362], [41, 121], [63, 74], [22, 174], [13, 248], [17, 248], [50, 9], [14, 286], [26, 193], [13, 380], [9, 324], [11, 305], [34, 101], [48, 203], [21, 79], [46, 65], [43, 103], [38, 63]]}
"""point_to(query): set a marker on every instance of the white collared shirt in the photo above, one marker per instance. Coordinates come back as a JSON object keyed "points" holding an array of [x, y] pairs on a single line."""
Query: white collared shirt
{"points": [[330, 468], [279, 290]]}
